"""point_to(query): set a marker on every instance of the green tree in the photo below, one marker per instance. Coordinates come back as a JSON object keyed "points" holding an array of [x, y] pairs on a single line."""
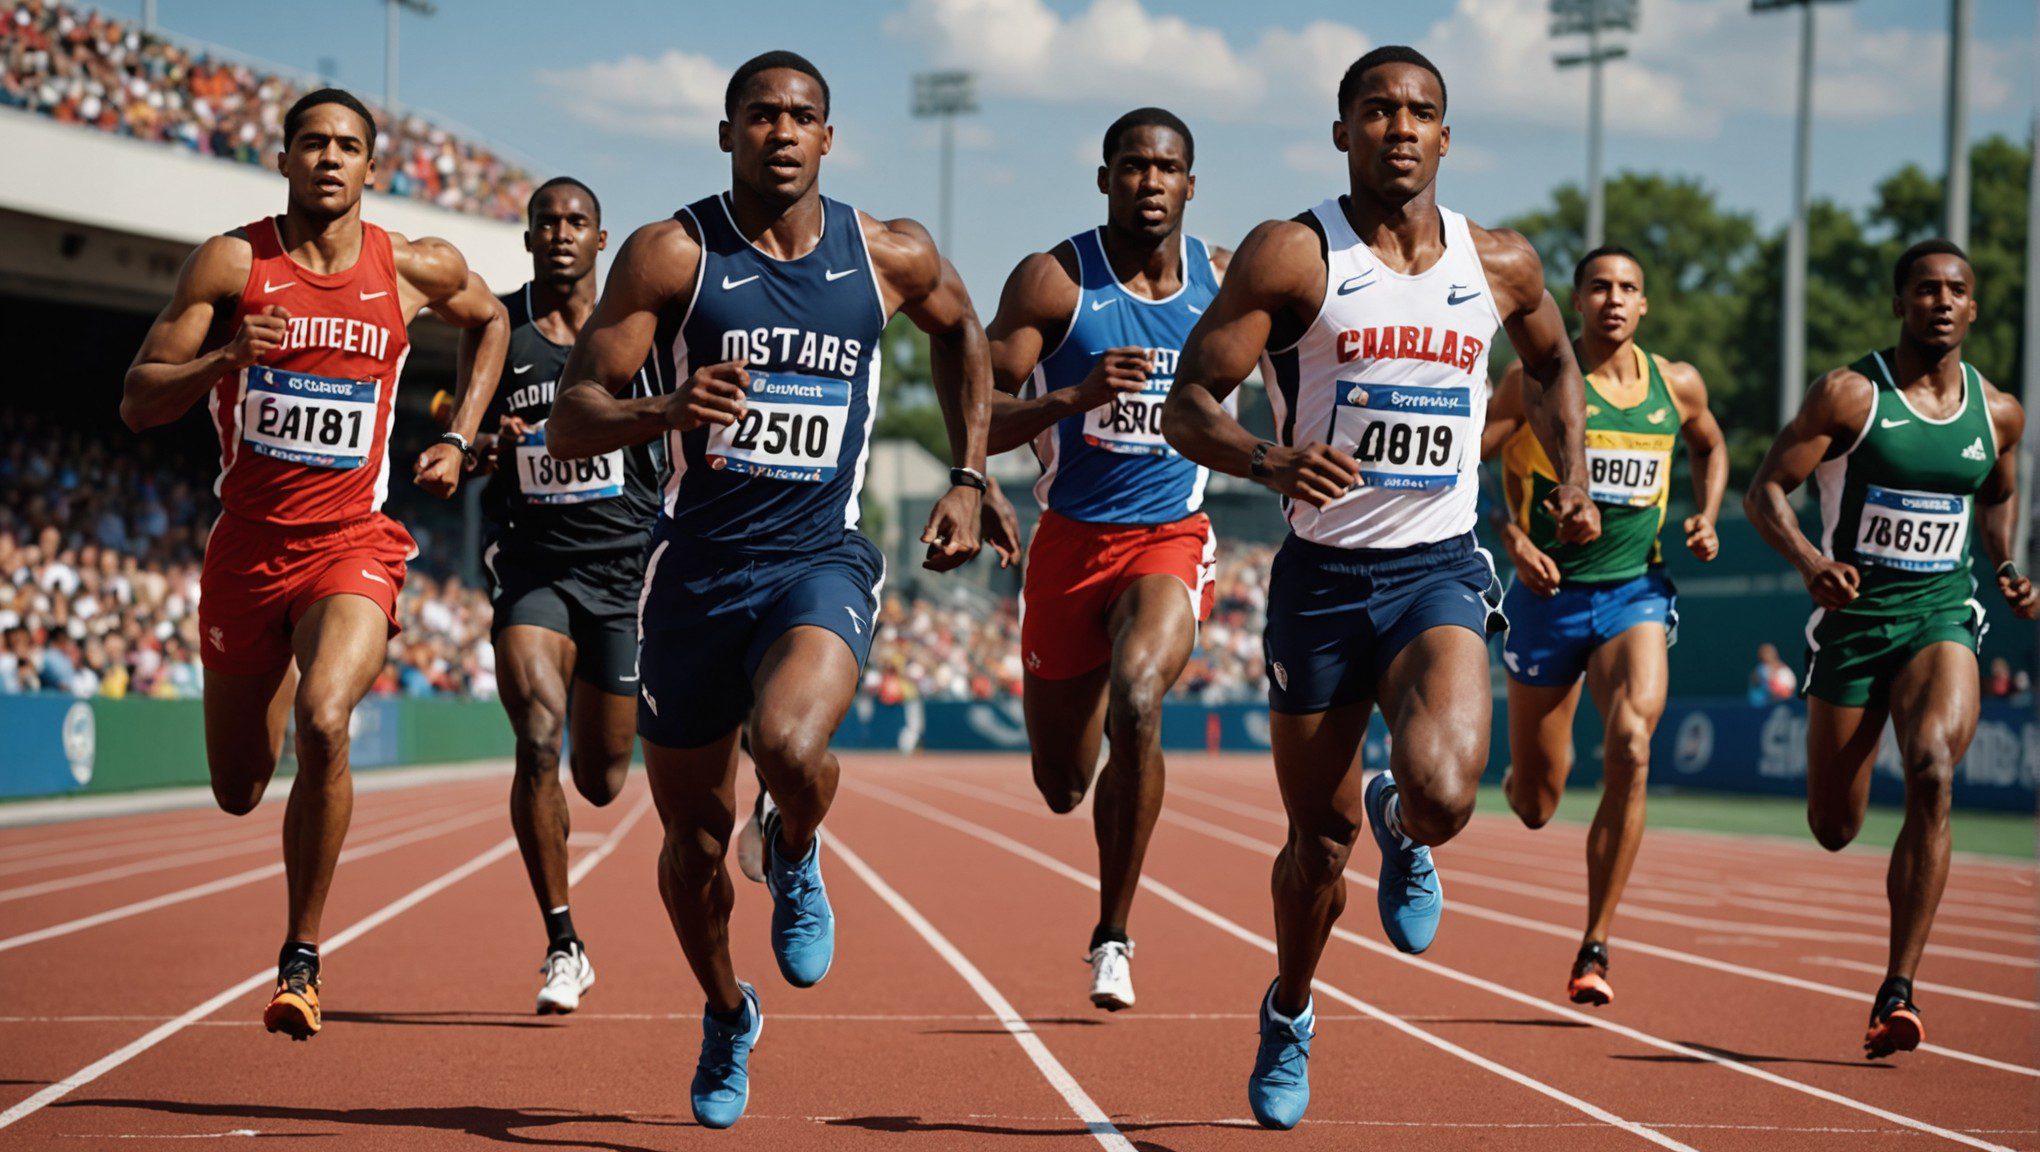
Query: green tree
{"points": [[907, 408]]}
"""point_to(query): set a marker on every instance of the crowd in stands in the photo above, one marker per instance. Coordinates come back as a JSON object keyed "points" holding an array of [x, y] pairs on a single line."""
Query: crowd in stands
{"points": [[83, 67]]}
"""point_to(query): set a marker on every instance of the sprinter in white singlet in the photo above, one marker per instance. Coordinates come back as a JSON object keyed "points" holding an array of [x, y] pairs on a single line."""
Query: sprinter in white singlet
{"points": [[1371, 316]]}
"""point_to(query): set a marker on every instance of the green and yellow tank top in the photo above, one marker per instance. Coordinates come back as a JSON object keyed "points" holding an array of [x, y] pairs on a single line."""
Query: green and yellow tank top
{"points": [[1897, 504], [1629, 469]]}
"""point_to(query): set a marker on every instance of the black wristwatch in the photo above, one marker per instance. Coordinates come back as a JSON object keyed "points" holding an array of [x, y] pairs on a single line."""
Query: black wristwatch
{"points": [[467, 450], [1258, 466], [968, 478]]}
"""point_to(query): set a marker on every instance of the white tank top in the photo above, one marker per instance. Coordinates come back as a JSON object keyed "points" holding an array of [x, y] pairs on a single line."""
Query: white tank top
{"points": [[1394, 372]]}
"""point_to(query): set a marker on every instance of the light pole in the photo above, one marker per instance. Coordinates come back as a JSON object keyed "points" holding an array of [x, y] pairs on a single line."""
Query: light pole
{"points": [[391, 7], [1592, 18], [1792, 334], [2029, 373], [945, 96], [148, 15], [1957, 225]]}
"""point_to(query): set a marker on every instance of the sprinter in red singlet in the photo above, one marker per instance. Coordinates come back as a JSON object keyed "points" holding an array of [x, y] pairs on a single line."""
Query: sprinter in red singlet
{"points": [[293, 329]]}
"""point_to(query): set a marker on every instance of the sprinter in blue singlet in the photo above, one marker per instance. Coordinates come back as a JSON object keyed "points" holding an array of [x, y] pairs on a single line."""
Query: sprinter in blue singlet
{"points": [[762, 308]]}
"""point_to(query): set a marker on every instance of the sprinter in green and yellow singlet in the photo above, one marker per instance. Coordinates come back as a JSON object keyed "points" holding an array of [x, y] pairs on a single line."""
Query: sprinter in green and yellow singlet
{"points": [[1901, 443], [1603, 610]]}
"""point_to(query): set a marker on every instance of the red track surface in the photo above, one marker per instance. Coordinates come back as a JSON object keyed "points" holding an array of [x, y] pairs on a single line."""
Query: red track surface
{"points": [[1742, 967]]}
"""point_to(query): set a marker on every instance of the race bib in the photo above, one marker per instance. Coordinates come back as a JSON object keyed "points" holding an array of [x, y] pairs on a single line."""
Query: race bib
{"points": [[306, 419], [792, 429], [1132, 422], [1626, 476], [1912, 531], [1405, 437], [544, 480]]}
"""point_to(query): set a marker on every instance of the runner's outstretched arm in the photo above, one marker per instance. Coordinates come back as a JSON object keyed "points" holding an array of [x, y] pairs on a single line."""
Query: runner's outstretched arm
{"points": [[1037, 302], [168, 375], [654, 269], [1277, 272], [932, 295], [2000, 501], [1554, 393], [1835, 409], [1707, 456], [440, 275]]}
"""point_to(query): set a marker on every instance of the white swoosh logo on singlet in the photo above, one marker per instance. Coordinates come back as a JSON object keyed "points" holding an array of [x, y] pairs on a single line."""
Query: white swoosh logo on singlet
{"points": [[728, 283], [521, 369], [375, 295], [832, 277], [1099, 305], [268, 287]]}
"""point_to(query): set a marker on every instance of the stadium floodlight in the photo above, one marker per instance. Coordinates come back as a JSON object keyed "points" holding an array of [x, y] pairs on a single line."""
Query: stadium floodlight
{"points": [[391, 7], [945, 96], [1957, 208], [1792, 352], [1592, 18]]}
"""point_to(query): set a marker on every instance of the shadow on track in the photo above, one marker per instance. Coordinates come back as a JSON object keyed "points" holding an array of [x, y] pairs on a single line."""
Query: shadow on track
{"points": [[441, 1019], [499, 1124], [1747, 1058]]}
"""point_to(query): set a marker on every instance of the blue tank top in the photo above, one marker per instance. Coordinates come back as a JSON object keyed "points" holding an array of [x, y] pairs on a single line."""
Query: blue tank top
{"points": [[786, 478], [1110, 465]]}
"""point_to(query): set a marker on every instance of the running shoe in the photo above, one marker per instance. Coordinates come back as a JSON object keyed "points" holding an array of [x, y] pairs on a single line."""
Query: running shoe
{"points": [[1895, 1024], [1279, 1089], [1112, 975], [294, 1010], [750, 841], [1410, 896], [1589, 984], [568, 976], [722, 1077], [803, 926]]}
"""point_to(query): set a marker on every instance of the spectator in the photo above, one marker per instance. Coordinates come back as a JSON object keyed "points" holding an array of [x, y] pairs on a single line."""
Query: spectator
{"points": [[1771, 680], [81, 67], [1999, 685]]}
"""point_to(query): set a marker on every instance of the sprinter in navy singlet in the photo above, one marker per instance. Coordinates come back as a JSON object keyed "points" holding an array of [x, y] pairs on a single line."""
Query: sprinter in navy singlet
{"points": [[762, 309], [1084, 349]]}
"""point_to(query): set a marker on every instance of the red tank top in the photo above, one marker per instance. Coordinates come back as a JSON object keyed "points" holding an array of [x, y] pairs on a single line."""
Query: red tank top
{"points": [[304, 433]]}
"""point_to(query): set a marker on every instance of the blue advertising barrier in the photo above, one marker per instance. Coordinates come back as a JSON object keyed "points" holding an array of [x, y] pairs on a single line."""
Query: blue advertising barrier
{"points": [[49, 745], [1713, 744]]}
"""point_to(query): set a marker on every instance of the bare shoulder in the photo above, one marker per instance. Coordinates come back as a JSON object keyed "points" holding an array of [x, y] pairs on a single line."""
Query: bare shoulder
{"points": [[2007, 416], [433, 266], [1043, 286], [1280, 254], [1684, 380], [1511, 265], [1837, 403], [219, 266], [661, 257], [903, 253]]}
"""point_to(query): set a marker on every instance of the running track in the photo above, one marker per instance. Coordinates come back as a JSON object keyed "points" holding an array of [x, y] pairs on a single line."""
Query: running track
{"points": [[136, 953]]}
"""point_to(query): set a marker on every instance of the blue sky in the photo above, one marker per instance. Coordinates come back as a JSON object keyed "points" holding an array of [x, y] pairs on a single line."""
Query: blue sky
{"points": [[624, 93]]}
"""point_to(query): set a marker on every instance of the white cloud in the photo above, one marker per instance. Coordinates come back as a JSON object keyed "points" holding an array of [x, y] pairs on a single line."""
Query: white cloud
{"points": [[1314, 157], [970, 137], [1117, 50], [677, 95], [1693, 64]]}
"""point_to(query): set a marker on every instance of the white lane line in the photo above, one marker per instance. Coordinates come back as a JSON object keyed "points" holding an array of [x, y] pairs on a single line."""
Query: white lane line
{"points": [[1095, 1120], [1567, 1013], [93, 1071], [199, 856], [1222, 833], [30, 813], [998, 839], [825, 1017], [1878, 970], [237, 880]]}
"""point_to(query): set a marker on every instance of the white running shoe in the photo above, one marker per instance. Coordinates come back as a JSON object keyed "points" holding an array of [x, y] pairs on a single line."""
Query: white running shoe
{"points": [[751, 840], [568, 976], [1112, 975]]}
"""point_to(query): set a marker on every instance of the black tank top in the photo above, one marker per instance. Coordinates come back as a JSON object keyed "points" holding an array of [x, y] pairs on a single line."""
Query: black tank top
{"points": [[536, 505]]}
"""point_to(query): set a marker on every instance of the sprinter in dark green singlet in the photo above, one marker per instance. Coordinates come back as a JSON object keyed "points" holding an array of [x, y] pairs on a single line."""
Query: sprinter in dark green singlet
{"points": [[1603, 611], [1901, 443]]}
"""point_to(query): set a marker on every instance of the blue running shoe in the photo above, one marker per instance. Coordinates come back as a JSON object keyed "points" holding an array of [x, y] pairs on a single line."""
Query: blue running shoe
{"points": [[803, 926], [722, 1077], [1410, 895], [1279, 1089]]}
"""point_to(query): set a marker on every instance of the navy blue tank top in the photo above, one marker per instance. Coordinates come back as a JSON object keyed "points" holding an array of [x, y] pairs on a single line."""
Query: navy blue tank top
{"points": [[786, 478]]}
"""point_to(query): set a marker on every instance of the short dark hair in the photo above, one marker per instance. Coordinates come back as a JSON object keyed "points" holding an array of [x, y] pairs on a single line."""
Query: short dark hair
{"points": [[295, 118], [1349, 85], [1150, 118], [531, 205], [765, 62], [1937, 246], [1579, 272]]}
